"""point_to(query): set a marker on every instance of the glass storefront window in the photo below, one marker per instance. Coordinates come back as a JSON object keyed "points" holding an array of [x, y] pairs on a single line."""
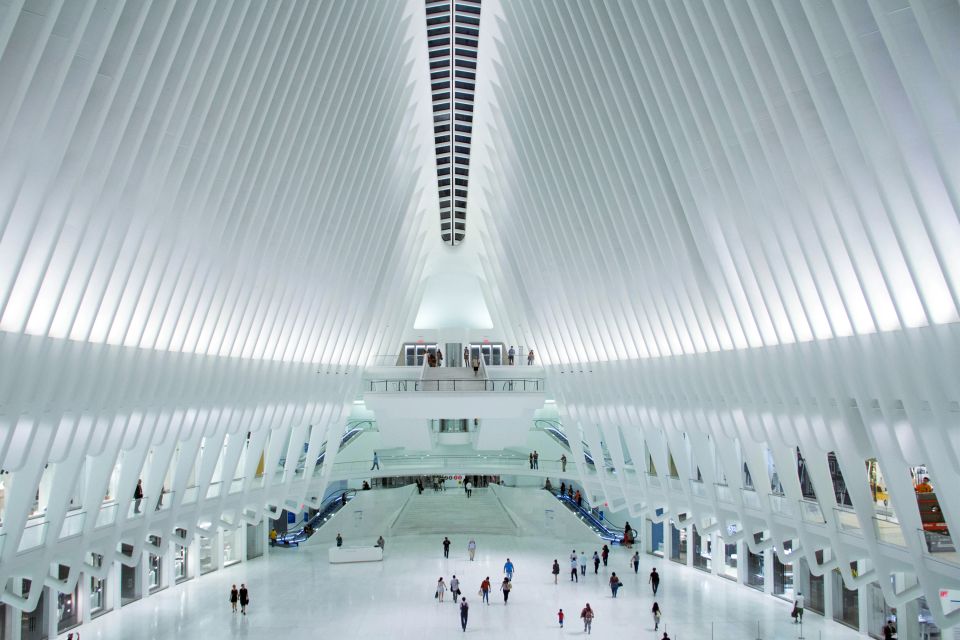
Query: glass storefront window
{"points": [[98, 588], [254, 542], [130, 588], [154, 568], [783, 574], [880, 612], [68, 615], [678, 543], [730, 553], [846, 605], [755, 566], [206, 555], [231, 552], [702, 550], [655, 539], [179, 563], [33, 624]]}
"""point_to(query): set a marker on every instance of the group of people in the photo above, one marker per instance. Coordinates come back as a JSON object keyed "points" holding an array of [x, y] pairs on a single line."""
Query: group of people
{"points": [[485, 585], [239, 596], [567, 490], [534, 460], [512, 356]]}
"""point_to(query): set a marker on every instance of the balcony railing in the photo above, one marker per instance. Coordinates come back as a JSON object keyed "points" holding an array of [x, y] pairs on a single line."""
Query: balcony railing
{"points": [[401, 385]]}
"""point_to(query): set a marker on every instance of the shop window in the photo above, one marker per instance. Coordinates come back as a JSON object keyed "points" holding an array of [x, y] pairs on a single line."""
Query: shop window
{"points": [[702, 550], [655, 539], [98, 588], [130, 588], [67, 611], [783, 574], [846, 604], [33, 624], [155, 568], [254, 542], [755, 566], [231, 550], [207, 563], [678, 543], [730, 555]]}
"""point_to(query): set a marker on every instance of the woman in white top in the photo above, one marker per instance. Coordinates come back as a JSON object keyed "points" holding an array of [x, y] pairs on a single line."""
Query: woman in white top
{"points": [[441, 589]]}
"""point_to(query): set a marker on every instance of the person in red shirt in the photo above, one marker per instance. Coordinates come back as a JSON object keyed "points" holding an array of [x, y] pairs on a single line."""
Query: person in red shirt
{"points": [[485, 589], [560, 617]]}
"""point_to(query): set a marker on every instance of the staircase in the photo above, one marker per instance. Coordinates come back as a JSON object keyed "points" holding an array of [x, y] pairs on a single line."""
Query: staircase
{"points": [[452, 512]]}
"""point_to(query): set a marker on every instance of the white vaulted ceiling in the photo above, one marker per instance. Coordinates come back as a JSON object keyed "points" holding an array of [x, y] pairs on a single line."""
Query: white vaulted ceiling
{"points": [[732, 218]]}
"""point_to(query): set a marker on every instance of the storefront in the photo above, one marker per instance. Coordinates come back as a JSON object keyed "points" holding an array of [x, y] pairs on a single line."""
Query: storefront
{"points": [[783, 574], [702, 550], [810, 585], [728, 568], [879, 611], [231, 546], [180, 555], [254, 541], [33, 624], [846, 603], [678, 543], [130, 587], [154, 568], [207, 559], [655, 537], [98, 589], [68, 614], [755, 566]]}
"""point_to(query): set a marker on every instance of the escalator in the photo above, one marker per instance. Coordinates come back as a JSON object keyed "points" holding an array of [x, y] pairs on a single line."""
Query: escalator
{"points": [[331, 504], [593, 519]]}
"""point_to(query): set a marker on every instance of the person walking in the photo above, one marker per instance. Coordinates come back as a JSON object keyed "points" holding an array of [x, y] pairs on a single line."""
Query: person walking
{"points": [[441, 589], [560, 618], [530, 363], [454, 588], [615, 584], [471, 548], [587, 616], [798, 607], [466, 356], [234, 597], [573, 567], [596, 563], [381, 543], [654, 580], [508, 569], [655, 611], [511, 354], [536, 460], [376, 462], [446, 547], [555, 571], [635, 561], [563, 464], [439, 357], [244, 596], [419, 487], [138, 496], [476, 366], [605, 553], [468, 487], [485, 590], [505, 586], [583, 563], [464, 610]]}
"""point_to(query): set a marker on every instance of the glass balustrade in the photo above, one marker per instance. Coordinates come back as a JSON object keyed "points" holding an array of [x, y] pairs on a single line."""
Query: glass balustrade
{"points": [[409, 385]]}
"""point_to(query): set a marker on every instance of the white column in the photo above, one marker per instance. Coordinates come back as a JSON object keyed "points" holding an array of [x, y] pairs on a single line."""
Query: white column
{"points": [[768, 571], [50, 604], [83, 597]]}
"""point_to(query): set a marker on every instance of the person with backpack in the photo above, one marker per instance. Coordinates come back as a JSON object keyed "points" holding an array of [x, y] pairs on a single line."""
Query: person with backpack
{"points": [[596, 563], [485, 590], [587, 616], [655, 611], [555, 570], [506, 586], [244, 597], [464, 610], [615, 584]]}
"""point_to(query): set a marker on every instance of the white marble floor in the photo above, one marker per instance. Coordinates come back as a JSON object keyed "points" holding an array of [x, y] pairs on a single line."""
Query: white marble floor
{"points": [[295, 593]]}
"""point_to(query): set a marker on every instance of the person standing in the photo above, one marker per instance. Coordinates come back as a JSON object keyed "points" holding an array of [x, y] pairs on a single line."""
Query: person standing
{"points": [[536, 460], [505, 586], [476, 365], [556, 572], [596, 563], [381, 543], [889, 630], [441, 589], [578, 498], [636, 561], [654, 580], [605, 553], [419, 487], [530, 364], [655, 611], [583, 563], [339, 539], [439, 357], [508, 569], [234, 597], [587, 615], [615, 584], [468, 487], [530, 457], [454, 588], [138, 496], [244, 597], [798, 606], [560, 615], [511, 354], [472, 548], [563, 464], [563, 488], [485, 590], [466, 356], [446, 547], [573, 567], [376, 462], [464, 609]]}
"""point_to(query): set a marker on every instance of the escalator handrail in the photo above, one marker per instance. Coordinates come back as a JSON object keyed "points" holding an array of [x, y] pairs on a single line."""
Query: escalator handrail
{"points": [[609, 532]]}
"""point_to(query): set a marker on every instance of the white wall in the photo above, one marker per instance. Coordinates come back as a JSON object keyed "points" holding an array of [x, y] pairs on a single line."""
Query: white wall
{"points": [[537, 512], [364, 518]]}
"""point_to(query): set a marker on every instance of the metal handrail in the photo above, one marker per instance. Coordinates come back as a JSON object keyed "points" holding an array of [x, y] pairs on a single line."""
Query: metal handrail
{"points": [[404, 385]]}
